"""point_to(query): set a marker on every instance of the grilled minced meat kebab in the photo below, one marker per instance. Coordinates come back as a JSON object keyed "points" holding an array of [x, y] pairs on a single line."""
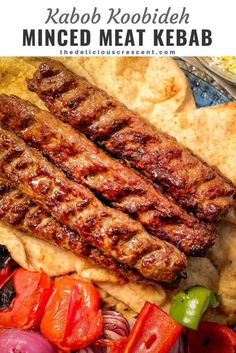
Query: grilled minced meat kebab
{"points": [[24, 214], [72, 204], [82, 161], [125, 134]]}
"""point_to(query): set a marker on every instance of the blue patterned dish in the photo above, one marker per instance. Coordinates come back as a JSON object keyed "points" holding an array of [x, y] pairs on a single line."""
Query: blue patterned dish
{"points": [[206, 90], [205, 94]]}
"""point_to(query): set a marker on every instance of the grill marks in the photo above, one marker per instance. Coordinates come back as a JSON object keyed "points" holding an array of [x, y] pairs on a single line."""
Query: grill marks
{"points": [[125, 190], [123, 133], [24, 214], [72, 204], [17, 209], [192, 182]]}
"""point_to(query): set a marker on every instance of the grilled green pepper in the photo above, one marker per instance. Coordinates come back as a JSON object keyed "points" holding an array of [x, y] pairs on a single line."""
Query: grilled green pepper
{"points": [[188, 306]]}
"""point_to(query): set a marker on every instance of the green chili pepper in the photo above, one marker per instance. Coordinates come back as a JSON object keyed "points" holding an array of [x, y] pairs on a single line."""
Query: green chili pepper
{"points": [[188, 306]]}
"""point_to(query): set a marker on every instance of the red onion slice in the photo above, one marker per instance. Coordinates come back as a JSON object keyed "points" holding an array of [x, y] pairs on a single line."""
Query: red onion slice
{"points": [[22, 341], [115, 325]]}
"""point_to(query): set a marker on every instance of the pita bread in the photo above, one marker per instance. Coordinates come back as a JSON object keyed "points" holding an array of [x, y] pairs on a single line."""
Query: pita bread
{"points": [[135, 295], [151, 86], [13, 73]]}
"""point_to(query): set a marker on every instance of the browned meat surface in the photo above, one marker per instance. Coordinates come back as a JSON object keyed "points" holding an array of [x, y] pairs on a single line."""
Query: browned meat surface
{"points": [[24, 214], [110, 230], [187, 178], [82, 161]]}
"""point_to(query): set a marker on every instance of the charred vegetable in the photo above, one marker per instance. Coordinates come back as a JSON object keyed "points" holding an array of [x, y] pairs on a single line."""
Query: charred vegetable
{"points": [[27, 307], [7, 293], [6, 265], [5, 256]]}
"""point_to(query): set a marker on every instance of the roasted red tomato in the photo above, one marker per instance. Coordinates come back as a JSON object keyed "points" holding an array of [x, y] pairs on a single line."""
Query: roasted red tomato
{"points": [[72, 319], [211, 338], [154, 332], [32, 291]]}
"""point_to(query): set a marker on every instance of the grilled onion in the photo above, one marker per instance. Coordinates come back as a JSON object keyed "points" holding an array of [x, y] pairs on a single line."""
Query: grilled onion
{"points": [[115, 325]]}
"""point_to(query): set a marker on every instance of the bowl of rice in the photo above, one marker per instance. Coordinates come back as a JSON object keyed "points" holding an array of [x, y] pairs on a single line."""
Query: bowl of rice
{"points": [[223, 66]]}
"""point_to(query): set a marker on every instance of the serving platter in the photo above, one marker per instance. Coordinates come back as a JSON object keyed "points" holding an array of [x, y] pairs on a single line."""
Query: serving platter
{"points": [[207, 92]]}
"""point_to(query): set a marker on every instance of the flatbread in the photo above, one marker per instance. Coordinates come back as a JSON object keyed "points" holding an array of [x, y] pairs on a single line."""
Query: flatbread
{"points": [[13, 73], [150, 86]]}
